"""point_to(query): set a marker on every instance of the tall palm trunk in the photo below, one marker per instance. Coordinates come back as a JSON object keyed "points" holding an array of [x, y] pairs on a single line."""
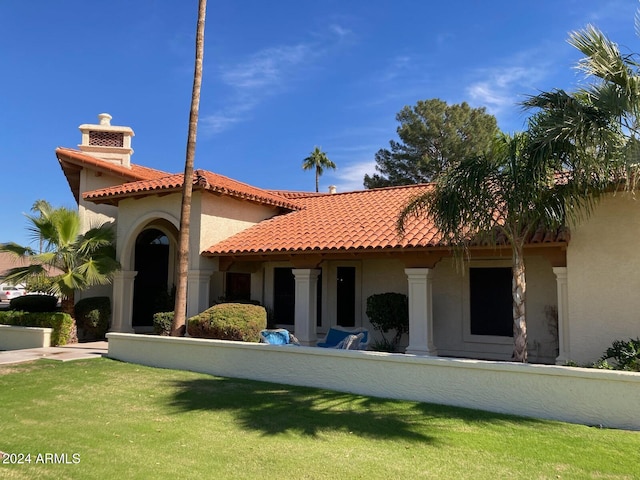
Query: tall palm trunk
{"points": [[518, 292], [179, 319], [317, 179]]}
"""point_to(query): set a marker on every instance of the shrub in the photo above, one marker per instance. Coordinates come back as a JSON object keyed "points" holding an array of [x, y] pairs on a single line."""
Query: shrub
{"points": [[92, 317], [34, 303], [162, 323], [229, 321], [389, 311], [625, 353], [61, 323]]}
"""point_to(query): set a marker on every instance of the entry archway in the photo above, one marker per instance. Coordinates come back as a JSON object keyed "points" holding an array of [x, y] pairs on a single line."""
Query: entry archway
{"points": [[154, 281]]}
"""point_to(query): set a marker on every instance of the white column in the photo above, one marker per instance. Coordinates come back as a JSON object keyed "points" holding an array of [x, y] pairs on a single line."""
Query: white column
{"points": [[306, 300], [420, 312], [198, 284], [564, 348], [123, 301]]}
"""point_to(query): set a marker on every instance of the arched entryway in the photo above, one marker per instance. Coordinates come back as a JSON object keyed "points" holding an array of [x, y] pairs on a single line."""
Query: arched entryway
{"points": [[152, 288]]}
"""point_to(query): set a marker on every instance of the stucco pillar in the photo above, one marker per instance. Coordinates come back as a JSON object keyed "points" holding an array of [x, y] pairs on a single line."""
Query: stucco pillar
{"points": [[420, 312], [123, 301], [198, 284], [564, 349], [306, 300]]}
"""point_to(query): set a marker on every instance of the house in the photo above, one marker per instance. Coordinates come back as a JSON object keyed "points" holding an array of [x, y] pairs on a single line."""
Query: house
{"points": [[314, 259]]}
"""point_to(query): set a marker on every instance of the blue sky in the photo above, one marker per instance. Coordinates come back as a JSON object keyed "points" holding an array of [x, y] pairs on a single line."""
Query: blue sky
{"points": [[280, 77]]}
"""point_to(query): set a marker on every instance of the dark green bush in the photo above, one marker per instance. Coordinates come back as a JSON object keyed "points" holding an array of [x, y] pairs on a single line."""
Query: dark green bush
{"points": [[625, 353], [61, 323], [389, 311], [34, 303], [162, 323], [92, 317], [229, 321]]}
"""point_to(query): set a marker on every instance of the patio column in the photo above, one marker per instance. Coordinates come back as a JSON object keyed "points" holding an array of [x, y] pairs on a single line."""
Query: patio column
{"points": [[306, 300], [123, 301], [420, 312], [564, 349], [198, 283]]}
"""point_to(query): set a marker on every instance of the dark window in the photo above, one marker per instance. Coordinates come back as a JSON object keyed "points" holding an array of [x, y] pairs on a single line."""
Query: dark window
{"points": [[491, 308], [284, 293], [238, 286], [346, 297]]}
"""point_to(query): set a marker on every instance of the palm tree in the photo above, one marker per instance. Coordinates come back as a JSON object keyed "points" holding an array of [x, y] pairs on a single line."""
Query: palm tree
{"points": [[507, 193], [179, 319], [318, 160], [68, 260], [595, 129]]}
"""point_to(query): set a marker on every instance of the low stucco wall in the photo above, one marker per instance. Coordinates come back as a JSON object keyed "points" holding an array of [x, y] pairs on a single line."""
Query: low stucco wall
{"points": [[587, 396], [18, 338]]}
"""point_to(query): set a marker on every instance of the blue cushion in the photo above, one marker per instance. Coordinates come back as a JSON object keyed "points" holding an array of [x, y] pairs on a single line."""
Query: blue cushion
{"points": [[276, 337], [334, 337]]}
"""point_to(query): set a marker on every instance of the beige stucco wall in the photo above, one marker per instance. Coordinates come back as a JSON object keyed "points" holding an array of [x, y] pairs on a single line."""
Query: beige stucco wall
{"points": [[603, 265], [19, 338], [91, 214], [588, 396], [451, 312]]}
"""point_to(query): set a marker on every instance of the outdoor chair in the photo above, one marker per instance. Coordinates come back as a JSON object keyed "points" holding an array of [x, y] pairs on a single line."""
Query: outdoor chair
{"points": [[339, 337], [278, 336]]}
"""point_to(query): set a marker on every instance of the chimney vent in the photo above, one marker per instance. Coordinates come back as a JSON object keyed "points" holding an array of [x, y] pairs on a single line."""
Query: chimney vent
{"points": [[332, 189], [108, 142], [105, 119]]}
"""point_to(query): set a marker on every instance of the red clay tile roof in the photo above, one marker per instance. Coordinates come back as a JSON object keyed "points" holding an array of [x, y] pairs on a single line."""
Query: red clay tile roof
{"points": [[294, 194], [342, 221], [208, 181], [72, 161], [136, 172], [353, 221]]}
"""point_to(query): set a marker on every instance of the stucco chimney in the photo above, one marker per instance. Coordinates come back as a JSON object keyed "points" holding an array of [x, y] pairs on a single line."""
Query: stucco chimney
{"points": [[332, 189], [108, 142]]}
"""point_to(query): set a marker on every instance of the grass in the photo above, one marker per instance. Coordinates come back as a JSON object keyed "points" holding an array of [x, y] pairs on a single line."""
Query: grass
{"points": [[129, 421]]}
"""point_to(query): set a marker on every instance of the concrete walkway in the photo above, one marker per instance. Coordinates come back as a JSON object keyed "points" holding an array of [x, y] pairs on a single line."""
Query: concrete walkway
{"points": [[76, 351]]}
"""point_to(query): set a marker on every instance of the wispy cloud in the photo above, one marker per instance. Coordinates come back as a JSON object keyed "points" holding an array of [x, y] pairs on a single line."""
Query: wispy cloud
{"points": [[265, 69], [351, 177], [266, 73], [502, 87]]}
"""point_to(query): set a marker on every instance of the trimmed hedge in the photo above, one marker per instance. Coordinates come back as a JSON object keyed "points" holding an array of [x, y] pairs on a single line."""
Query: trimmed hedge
{"points": [[229, 321], [389, 311], [162, 323], [34, 303], [61, 323], [92, 317]]}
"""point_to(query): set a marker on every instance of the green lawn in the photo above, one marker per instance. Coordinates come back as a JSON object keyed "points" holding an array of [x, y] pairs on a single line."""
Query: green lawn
{"points": [[126, 421]]}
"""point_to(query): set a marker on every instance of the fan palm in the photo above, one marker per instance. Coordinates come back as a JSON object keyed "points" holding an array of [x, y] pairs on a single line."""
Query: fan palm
{"points": [[595, 129], [69, 260], [318, 161], [505, 193]]}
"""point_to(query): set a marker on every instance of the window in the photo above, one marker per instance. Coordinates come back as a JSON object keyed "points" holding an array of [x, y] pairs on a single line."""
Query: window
{"points": [[490, 302], [346, 297], [284, 294], [238, 286]]}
